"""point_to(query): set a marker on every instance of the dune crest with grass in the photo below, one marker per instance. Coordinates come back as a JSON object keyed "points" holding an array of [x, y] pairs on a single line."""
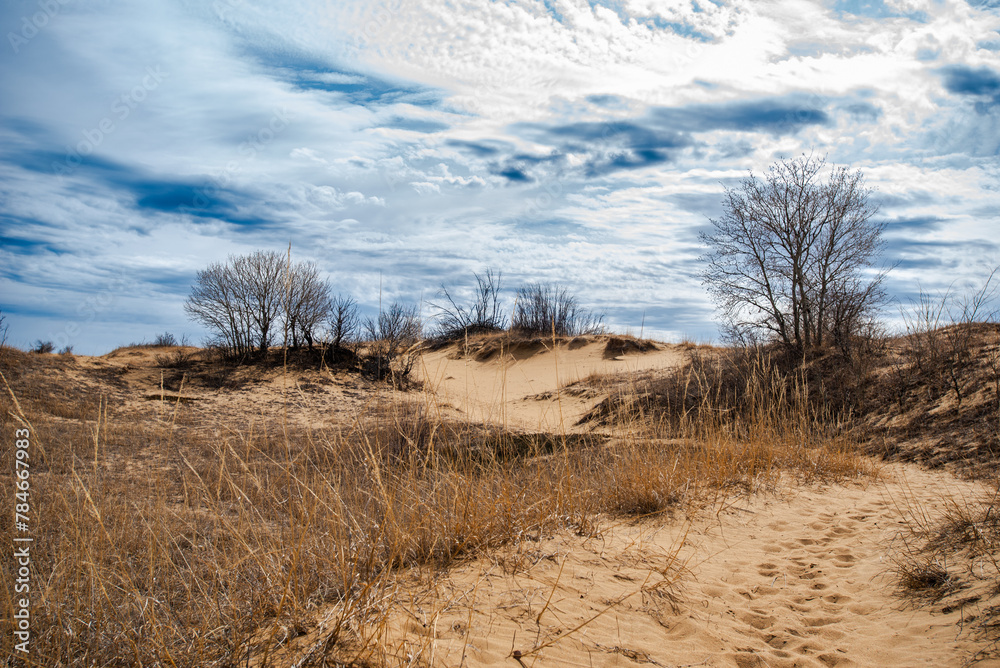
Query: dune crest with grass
{"points": [[536, 383]]}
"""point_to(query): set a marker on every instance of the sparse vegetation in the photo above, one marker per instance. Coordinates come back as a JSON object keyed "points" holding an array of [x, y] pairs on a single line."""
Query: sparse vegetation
{"points": [[164, 340], [739, 388], [950, 559], [389, 349], [548, 310], [484, 314], [943, 335], [174, 537], [43, 347], [344, 324], [308, 304], [241, 301]]}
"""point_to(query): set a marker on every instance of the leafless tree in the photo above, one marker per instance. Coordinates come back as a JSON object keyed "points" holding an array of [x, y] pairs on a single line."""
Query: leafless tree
{"points": [[241, 300], [544, 309], [308, 304], [343, 322], [484, 314], [792, 258], [3, 329], [390, 338]]}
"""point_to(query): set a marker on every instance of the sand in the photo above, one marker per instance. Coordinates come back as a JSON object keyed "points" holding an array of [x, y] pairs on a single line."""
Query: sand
{"points": [[798, 578], [531, 386]]}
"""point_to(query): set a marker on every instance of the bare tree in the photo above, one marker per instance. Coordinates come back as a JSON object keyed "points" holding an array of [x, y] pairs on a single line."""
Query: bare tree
{"points": [[3, 329], [240, 301], [308, 304], [484, 314], [262, 274], [343, 322], [792, 256], [544, 309], [390, 338]]}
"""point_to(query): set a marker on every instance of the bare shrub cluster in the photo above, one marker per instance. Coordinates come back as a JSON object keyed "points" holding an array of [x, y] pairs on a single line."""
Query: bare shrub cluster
{"points": [[253, 301], [249, 300], [546, 309], [944, 340], [389, 350], [949, 559], [484, 314], [240, 301], [538, 309], [343, 324]]}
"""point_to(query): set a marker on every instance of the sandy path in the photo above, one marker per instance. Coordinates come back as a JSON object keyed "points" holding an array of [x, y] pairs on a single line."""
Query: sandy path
{"points": [[798, 579]]}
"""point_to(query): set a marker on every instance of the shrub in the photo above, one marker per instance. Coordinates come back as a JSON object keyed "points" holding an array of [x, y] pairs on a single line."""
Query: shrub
{"points": [[308, 304], [343, 323], [483, 314], [164, 340], [545, 309], [941, 337], [43, 347], [240, 301], [391, 337], [246, 300]]}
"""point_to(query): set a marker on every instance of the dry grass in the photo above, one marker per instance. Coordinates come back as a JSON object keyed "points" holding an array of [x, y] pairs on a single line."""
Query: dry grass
{"points": [[176, 542], [948, 559]]}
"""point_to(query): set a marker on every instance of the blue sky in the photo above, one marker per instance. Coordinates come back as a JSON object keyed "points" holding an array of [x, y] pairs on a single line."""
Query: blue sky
{"points": [[403, 145]]}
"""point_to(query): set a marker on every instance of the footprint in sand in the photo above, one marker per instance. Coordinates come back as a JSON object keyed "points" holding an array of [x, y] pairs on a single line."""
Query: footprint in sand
{"points": [[767, 570], [820, 621], [844, 560], [757, 620], [835, 660]]}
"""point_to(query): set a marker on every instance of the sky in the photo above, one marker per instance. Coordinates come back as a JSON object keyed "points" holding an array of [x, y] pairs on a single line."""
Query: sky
{"points": [[406, 145]]}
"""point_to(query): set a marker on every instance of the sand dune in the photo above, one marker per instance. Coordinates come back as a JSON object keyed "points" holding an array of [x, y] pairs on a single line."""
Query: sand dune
{"points": [[801, 578], [525, 386]]}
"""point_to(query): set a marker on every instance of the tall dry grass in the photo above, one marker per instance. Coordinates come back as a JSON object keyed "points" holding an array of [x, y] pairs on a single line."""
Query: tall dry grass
{"points": [[182, 543]]}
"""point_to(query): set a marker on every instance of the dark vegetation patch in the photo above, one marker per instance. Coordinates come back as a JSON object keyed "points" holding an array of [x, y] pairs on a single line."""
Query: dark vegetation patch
{"points": [[620, 345]]}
